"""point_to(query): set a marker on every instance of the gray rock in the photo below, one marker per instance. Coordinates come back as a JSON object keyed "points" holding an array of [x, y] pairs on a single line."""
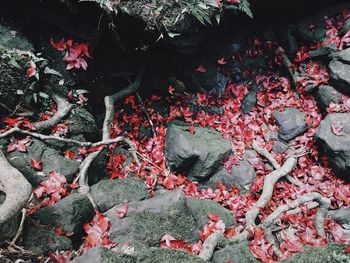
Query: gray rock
{"points": [[280, 147], [69, 214], [199, 154], [326, 94], [171, 212], [97, 170], [249, 102], [108, 193], [337, 147], [243, 175], [43, 240], [323, 52], [341, 216], [103, 255], [251, 157], [346, 27], [291, 123], [340, 78], [167, 255], [9, 228], [51, 159], [222, 176], [82, 122], [235, 253]]}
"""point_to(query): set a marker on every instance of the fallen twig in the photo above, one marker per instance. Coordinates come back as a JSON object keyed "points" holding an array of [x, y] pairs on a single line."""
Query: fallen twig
{"points": [[20, 228]]}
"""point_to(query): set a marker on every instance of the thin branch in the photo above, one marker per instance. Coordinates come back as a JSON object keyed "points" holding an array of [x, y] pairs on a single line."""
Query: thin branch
{"points": [[286, 63], [147, 114], [20, 228], [63, 108]]}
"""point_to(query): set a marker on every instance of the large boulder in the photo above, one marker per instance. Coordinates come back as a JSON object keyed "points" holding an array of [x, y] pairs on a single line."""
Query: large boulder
{"points": [[9, 228], [44, 240], [340, 78], [51, 160], [162, 255], [199, 154], [243, 175], [147, 221], [291, 123], [69, 214], [333, 136], [103, 255], [108, 193]]}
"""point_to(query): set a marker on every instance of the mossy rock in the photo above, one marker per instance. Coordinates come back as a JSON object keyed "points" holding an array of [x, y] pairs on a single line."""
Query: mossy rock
{"points": [[9, 228], [332, 253], [235, 253], [166, 255], [103, 255], [82, 122], [108, 193]]}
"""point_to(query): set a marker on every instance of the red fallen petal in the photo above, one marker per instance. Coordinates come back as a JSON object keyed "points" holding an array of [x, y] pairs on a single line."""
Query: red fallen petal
{"points": [[191, 130], [347, 249], [59, 231], [121, 211], [171, 90], [201, 69], [221, 61], [36, 164]]}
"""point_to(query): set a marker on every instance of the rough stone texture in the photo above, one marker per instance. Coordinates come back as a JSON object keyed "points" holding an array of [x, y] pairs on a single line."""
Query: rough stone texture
{"points": [[199, 154], [42, 240], [51, 159], [82, 122], [332, 253], [108, 193], [243, 175], [326, 94], [249, 102], [166, 255], [323, 52], [97, 170], [280, 147], [170, 212], [201, 208], [222, 176], [340, 77], [235, 253], [336, 147], [69, 214], [341, 216], [9, 228], [291, 123], [103, 255]]}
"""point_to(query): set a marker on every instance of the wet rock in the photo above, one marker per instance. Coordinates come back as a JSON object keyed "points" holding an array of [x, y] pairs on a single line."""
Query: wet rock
{"points": [[291, 123], [162, 255], [280, 147], [147, 221], [243, 175], [323, 52], [326, 94], [341, 216], [82, 122], [340, 78], [336, 146], [199, 154], [234, 253], [108, 193], [103, 255], [69, 214], [51, 159], [43, 240], [332, 253]]}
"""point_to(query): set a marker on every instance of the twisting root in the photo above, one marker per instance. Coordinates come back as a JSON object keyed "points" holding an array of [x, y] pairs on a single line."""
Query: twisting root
{"points": [[323, 202], [63, 108], [15, 186], [273, 162], [209, 245]]}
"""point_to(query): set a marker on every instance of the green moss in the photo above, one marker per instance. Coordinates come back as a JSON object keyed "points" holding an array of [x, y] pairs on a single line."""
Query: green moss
{"points": [[165, 255], [333, 253]]}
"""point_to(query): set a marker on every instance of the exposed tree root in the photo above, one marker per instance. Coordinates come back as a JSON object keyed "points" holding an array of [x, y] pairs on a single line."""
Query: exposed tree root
{"points": [[63, 108], [15, 186], [209, 245]]}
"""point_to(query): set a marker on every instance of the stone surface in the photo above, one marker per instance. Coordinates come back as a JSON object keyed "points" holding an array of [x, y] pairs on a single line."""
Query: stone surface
{"points": [[235, 253], [291, 123], [340, 78], [9, 228], [332, 253], [103, 255], [171, 212], [243, 175], [199, 154], [166, 255], [341, 215], [82, 122], [337, 147], [326, 94], [43, 240], [108, 193], [280, 147], [51, 159], [69, 214]]}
